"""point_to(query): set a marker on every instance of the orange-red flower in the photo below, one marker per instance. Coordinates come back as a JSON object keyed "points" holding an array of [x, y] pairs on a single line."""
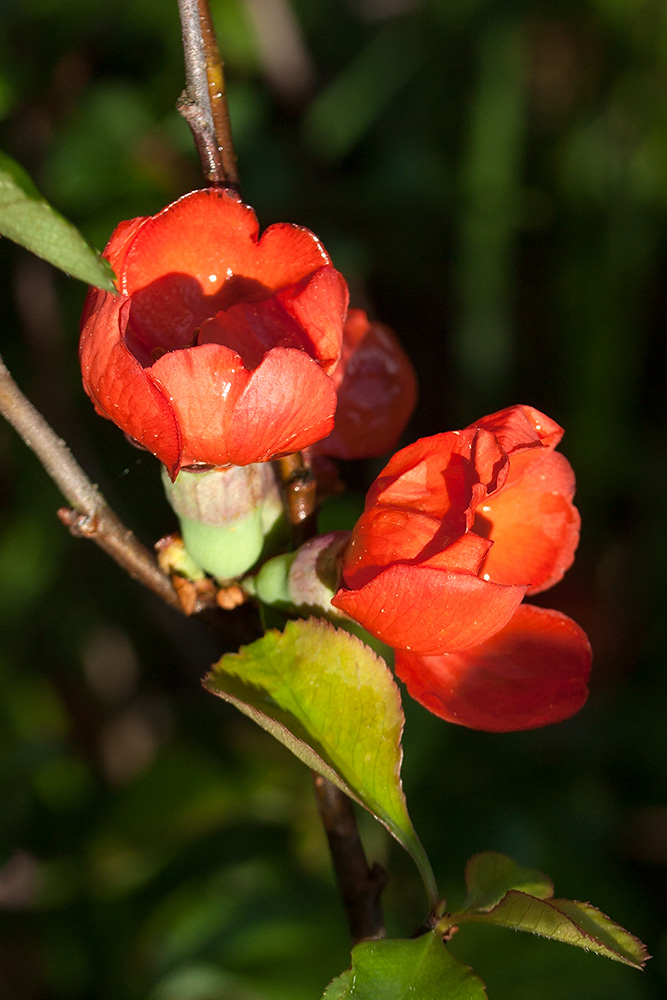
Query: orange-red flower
{"points": [[377, 391], [456, 530], [220, 346]]}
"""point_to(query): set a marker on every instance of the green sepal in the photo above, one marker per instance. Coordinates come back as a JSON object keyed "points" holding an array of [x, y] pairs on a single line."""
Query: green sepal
{"points": [[28, 219], [328, 698], [418, 969]]}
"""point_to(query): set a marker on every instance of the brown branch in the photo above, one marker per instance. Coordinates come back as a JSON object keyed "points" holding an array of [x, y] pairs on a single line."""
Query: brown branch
{"points": [[299, 496], [360, 886], [91, 517], [204, 101]]}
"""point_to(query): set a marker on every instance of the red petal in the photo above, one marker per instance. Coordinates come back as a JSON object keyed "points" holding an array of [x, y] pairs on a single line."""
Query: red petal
{"points": [[250, 329], [439, 474], [531, 521], [386, 535], [228, 415], [287, 404], [202, 385], [465, 554], [114, 252], [377, 391], [319, 305], [532, 673], [307, 316], [428, 610], [520, 427], [202, 254], [205, 232], [120, 387]]}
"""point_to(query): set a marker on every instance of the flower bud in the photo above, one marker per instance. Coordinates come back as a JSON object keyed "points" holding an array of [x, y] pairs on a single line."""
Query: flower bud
{"points": [[306, 579], [228, 516]]}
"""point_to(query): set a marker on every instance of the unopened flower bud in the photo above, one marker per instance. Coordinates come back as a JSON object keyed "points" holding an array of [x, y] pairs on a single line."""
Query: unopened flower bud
{"points": [[227, 515], [306, 579]]}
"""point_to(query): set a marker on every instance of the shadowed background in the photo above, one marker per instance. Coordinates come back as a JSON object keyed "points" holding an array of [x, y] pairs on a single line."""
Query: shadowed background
{"points": [[491, 178]]}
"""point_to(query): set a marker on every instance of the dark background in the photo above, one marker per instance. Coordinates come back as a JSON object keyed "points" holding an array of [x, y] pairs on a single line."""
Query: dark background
{"points": [[491, 177]]}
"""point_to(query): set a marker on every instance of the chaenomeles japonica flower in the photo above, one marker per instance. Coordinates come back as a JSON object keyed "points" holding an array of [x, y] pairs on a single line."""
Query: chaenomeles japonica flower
{"points": [[226, 348], [219, 348], [223, 349], [457, 529]]}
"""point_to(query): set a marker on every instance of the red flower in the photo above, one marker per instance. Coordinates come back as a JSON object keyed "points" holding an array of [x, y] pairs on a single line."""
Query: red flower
{"points": [[377, 391], [220, 346], [456, 530]]}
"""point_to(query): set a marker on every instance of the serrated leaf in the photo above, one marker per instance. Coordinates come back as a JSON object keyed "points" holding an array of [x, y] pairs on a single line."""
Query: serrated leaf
{"points": [[333, 702], [419, 969], [340, 987], [579, 924], [617, 943], [29, 220], [490, 875]]}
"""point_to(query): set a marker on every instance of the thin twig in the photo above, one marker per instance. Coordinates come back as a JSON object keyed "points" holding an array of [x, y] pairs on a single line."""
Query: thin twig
{"points": [[204, 101], [91, 516], [360, 886]]}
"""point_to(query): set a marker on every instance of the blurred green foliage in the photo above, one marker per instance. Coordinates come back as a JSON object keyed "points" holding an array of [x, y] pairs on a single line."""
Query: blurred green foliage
{"points": [[490, 176]]}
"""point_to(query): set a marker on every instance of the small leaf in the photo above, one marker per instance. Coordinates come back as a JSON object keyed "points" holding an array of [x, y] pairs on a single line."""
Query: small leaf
{"points": [[328, 698], [340, 987], [420, 969], [490, 875], [615, 941], [29, 220], [564, 920]]}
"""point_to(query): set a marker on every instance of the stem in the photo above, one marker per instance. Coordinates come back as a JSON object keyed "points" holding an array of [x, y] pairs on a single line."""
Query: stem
{"points": [[91, 517], [204, 101], [299, 495], [360, 886]]}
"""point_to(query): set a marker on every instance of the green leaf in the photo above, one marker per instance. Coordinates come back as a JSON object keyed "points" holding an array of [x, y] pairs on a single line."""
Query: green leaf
{"points": [[501, 892], [420, 969], [490, 875], [29, 220], [564, 920], [328, 698], [340, 987]]}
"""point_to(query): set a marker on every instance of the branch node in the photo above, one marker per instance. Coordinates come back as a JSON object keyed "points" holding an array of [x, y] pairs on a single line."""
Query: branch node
{"points": [[79, 525]]}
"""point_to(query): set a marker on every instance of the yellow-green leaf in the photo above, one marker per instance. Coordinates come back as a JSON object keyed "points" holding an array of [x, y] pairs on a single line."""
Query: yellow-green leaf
{"points": [[563, 920], [29, 220], [329, 698]]}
